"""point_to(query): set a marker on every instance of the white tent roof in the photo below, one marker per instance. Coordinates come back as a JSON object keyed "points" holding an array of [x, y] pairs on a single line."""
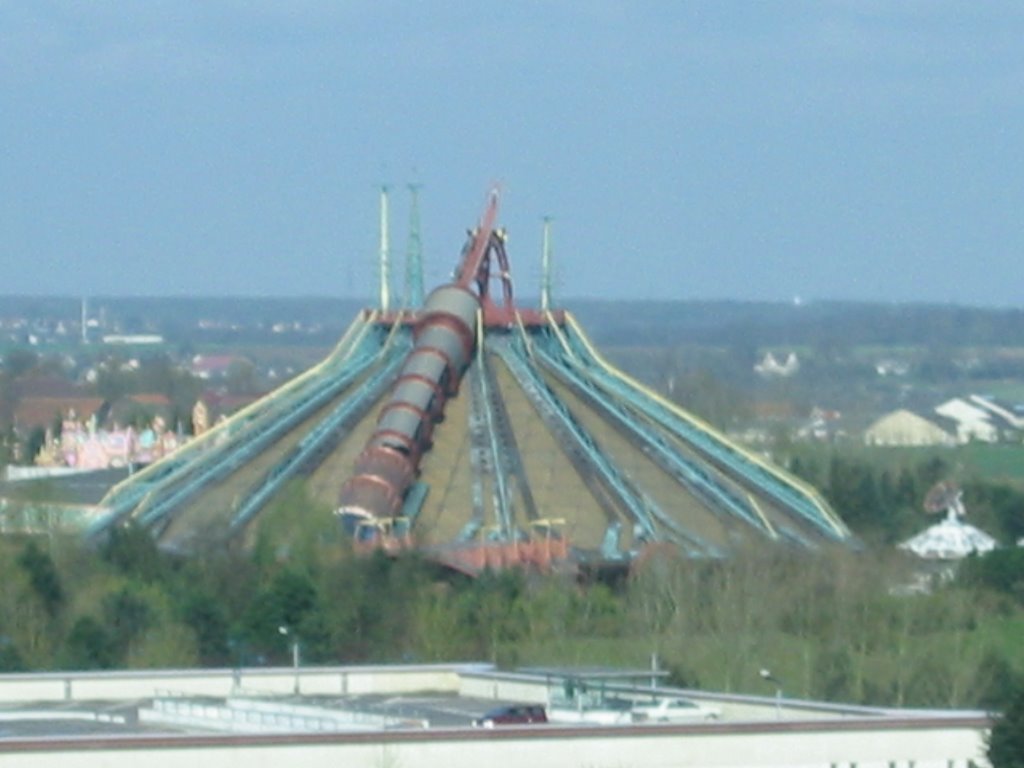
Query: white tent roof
{"points": [[952, 539]]}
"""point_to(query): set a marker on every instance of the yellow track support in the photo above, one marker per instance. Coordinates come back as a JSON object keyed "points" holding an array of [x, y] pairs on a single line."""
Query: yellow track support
{"points": [[527, 342], [561, 337], [764, 518]]}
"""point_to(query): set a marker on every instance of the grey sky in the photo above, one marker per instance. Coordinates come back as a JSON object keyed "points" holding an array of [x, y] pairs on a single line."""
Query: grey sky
{"points": [[866, 150]]}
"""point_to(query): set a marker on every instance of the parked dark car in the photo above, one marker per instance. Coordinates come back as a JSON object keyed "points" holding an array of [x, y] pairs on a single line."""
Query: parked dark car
{"points": [[515, 714]]}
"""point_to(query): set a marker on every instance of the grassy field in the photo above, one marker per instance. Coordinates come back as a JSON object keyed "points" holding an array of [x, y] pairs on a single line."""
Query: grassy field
{"points": [[1000, 463], [1012, 391], [995, 462]]}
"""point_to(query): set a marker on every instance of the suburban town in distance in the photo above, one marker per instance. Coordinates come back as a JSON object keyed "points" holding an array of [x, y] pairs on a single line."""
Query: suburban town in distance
{"points": [[770, 375]]}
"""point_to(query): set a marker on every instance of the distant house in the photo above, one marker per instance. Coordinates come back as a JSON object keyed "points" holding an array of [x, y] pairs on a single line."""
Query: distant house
{"points": [[84, 446], [972, 422], [822, 424], [210, 367], [981, 419], [155, 399], [86, 432], [770, 367], [44, 411], [890, 367], [906, 428], [774, 410], [143, 407], [47, 386], [1009, 418], [133, 339], [952, 538]]}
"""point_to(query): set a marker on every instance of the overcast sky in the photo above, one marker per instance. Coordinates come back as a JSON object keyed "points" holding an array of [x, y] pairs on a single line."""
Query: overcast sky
{"points": [[822, 150]]}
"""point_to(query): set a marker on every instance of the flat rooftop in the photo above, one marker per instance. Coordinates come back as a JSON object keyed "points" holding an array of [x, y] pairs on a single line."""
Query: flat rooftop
{"points": [[346, 699], [424, 715]]}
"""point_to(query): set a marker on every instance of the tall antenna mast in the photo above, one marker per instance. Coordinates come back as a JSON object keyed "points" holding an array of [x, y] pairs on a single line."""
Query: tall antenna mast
{"points": [[385, 265], [85, 320], [414, 254], [545, 268]]}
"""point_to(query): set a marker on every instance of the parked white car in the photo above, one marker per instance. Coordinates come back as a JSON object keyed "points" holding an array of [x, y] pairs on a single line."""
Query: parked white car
{"points": [[609, 711], [674, 710]]}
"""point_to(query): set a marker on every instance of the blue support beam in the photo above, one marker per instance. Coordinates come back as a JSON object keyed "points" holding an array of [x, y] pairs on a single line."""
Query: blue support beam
{"points": [[127, 496], [149, 503], [313, 444], [789, 497], [688, 473], [554, 412], [253, 445]]}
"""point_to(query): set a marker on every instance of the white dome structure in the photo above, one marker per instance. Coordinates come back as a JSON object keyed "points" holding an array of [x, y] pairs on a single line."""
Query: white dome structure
{"points": [[951, 539]]}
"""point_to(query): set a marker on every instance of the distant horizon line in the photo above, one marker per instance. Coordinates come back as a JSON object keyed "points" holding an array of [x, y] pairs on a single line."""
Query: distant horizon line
{"points": [[527, 301]]}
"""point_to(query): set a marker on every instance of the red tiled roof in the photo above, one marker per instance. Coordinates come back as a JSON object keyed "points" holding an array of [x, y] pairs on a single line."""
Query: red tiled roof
{"points": [[48, 386], [34, 412], [211, 363], [152, 398]]}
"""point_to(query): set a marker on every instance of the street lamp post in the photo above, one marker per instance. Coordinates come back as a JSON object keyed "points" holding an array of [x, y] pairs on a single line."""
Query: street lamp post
{"points": [[237, 649], [295, 654], [766, 674]]}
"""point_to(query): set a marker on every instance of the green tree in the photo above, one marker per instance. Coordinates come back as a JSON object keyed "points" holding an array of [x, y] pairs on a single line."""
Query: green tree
{"points": [[33, 444], [89, 646], [112, 383], [206, 617], [160, 374], [290, 601], [931, 471], [128, 615], [42, 574], [997, 505], [1001, 570], [853, 492], [907, 493], [1006, 741], [10, 658], [20, 361], [833, 674], [133, 552], [491, 609], [995, 680], [241, 378]]}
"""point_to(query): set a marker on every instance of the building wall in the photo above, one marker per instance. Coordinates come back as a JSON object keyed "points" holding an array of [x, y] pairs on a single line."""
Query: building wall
{"points": [[906, 428], [715, 746], [972, 423], [117, 686]]}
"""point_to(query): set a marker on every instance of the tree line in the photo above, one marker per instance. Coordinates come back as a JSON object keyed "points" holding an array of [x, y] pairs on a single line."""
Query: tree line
{"points": [[883, 501], [836, 625]]}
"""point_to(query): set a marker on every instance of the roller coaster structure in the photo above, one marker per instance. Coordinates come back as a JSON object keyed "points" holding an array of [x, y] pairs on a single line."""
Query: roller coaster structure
{"points": [[487, 435]]}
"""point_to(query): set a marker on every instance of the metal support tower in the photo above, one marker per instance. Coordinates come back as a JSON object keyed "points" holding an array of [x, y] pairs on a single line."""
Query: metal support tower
{"points": [[545, 268], [85, 321], [414, 254], [385, 259]]}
